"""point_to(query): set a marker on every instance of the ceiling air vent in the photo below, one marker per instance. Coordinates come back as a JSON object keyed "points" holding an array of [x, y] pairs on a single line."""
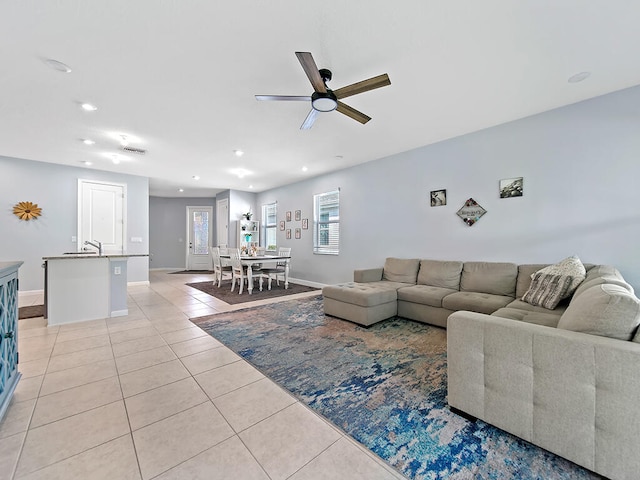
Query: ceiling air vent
{"points": [[138, 151]]}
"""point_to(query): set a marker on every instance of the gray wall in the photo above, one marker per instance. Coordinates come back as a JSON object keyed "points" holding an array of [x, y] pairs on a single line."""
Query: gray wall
{"points": [[580, 167], [168, 229], [55, 189]]}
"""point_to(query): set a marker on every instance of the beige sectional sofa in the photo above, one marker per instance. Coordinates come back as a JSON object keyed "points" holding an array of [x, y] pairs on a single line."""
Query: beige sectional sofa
{"points": [[566, 379]]}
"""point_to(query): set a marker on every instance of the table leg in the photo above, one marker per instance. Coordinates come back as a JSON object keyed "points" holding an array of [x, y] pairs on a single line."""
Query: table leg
{"points": [[250, 279], [286, 274]]}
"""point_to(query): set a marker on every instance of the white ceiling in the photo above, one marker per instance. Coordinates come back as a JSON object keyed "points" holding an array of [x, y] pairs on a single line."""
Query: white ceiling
{"points": [[182, 74]]}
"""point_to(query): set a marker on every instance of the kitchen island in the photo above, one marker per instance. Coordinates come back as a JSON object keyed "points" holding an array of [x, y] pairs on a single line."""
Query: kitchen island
{"points": [[82, 286]]}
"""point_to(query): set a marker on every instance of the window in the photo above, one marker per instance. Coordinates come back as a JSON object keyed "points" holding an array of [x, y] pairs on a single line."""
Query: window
{"points": [[326, 223], [269, 226]]}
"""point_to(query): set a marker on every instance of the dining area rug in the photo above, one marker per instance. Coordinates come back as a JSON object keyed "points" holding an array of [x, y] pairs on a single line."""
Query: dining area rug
{"points": [[386, 386], [225, 294]]}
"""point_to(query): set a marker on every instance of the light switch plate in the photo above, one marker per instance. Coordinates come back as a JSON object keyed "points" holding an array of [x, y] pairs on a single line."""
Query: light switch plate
{"points": [[74, 238], [136, 239]]}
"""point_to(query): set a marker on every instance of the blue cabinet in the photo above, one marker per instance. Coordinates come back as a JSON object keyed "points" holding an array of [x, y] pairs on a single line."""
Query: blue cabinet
{"points": [[9, 374]]}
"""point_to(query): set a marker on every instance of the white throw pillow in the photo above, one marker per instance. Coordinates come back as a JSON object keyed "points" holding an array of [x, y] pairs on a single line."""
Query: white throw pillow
{"points": [[570, 266]]}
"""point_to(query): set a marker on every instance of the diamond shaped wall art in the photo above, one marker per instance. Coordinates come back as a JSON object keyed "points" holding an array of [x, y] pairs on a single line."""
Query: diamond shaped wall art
{"points": [[471, 212]]}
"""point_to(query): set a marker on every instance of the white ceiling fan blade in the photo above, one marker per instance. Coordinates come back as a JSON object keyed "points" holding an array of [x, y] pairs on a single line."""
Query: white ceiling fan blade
{"points": [[285, 98], [309, 121]]}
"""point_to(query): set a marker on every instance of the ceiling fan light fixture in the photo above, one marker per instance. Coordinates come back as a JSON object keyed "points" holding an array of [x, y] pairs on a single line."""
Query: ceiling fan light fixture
{"points": [[324, 102]]}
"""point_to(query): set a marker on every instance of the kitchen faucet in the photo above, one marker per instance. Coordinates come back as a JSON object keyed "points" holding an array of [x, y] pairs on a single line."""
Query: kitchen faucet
{"points": [[97, 245]]}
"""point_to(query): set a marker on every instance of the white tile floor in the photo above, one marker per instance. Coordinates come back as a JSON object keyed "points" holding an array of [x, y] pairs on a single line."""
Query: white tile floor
{"points": [[151, 395]]}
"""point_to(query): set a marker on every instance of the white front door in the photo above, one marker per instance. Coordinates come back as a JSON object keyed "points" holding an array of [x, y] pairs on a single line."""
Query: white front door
{"points": [[199, 233], [102, 215], [222, 221]]}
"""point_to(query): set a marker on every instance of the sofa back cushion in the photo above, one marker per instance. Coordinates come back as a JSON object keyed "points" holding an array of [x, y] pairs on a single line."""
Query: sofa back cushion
{"points": [[489, 277], [440, 273], [524, 277], [599, 275], [401, 270], [607, 310]]}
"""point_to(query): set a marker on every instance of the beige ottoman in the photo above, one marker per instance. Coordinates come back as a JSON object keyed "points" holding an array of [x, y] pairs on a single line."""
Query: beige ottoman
{"points": [[362, 303]]}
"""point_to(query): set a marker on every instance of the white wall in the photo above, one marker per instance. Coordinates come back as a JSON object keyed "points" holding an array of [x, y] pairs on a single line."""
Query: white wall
{"points": [[168, 229], [580, 166], [55, 189]]}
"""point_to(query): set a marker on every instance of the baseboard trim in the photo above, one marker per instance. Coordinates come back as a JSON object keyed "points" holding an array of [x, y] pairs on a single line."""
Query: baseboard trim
{"points": [[120, 313], [307, 283], [26, 293], [144, 283]]}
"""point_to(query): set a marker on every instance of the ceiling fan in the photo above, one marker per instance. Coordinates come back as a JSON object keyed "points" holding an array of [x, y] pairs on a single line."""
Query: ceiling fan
{"points": [[324, 99]]}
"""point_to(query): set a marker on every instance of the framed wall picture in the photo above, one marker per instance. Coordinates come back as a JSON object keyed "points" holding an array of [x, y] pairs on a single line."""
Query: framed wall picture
{"points": [[288, 234], [282, 225], [288, 216], [305, 223], [298, 233], [438, 198], [298, 215], [511, 187]]}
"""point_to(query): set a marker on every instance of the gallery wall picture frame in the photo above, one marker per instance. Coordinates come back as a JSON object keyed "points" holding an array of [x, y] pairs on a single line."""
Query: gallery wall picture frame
{"points": [[438, 197], [288, 234], [298, 233], [511, 187], [282, 225], [471, 212], [305, 224], [288, 216], [298, 215]]}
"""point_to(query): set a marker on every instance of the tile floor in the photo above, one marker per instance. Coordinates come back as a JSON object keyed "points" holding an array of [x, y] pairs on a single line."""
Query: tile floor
{"points": [[151, 395]]}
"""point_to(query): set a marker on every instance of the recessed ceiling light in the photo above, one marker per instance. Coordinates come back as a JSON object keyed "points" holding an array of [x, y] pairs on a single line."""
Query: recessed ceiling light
{"points": [[181, 190], [196, 177], [578, 77], [238, 153], [88, 141], [87, 162], [88, 107], [304, 169], [250, 186], [116, 158], [240, 172], [59, 66]]}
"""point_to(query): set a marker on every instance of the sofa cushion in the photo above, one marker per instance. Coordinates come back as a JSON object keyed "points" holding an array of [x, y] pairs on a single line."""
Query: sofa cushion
{"points": [[475, 301], [440, 273], [602, 274], [547, 290], [525, 275], [364, 294], [539, 318], [489, 277], [401, 270], [606, 310], [424, 294], [570, 266], [527, 307]]}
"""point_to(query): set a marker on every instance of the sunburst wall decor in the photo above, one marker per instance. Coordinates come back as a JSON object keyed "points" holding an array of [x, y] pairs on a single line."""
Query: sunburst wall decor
{"points": [[27, 210]]}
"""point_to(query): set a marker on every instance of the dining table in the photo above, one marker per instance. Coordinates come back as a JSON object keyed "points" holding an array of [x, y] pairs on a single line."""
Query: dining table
{"points": [[251, 261]]}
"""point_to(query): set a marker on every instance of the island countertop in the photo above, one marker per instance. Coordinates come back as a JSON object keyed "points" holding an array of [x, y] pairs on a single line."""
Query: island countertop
{"points": [[75, 256]]}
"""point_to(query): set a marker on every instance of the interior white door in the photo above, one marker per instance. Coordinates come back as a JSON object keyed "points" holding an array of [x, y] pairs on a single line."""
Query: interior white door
{"points": [[199, 235], [102, 215], [222, 221]]}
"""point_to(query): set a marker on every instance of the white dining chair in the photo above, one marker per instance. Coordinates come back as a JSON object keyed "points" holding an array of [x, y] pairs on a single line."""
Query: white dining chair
{"points": [[280, 270], [218, 268], [240, 272]]}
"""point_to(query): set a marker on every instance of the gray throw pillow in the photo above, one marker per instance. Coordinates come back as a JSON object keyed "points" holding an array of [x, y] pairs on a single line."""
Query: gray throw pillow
{"points": [[546, 290]]}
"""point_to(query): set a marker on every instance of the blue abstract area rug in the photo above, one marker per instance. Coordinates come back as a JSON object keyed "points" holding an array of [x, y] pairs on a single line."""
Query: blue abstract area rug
{"points": [[385, 386]]}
